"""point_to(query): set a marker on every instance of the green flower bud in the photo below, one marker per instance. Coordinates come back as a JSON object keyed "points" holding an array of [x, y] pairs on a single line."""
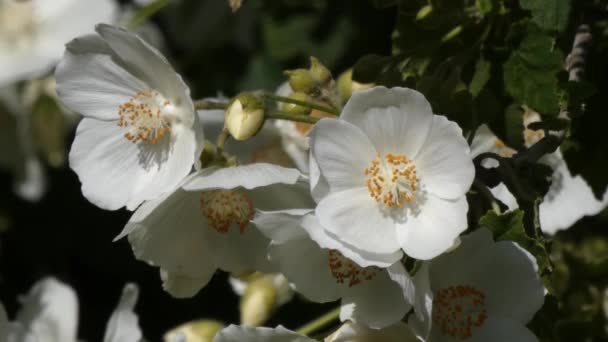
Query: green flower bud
{"points": [[244, 116], [301, 80], [346, 85], [424, 12], [292, 108], [203, 330], [319, 72], [258, 302]]}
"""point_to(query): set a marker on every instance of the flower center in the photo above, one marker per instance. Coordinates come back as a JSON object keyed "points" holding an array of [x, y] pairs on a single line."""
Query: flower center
{"points": [[459, 309], [347, 272], [17, 25], [222, 208], [143, 115], [392, 180]]}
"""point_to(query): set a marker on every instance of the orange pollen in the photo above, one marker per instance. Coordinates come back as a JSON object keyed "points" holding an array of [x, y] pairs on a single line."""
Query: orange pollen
{"points": [[392, 180], [347, 272], [457, 310], [143, 114], [222, 208]]}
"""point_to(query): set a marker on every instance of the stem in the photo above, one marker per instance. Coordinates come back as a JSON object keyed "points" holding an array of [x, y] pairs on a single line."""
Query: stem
{"points": [[273, 114], [483, 189], [146, 12], [301, 103], [319, 322], [205, 104], [221, 140]]}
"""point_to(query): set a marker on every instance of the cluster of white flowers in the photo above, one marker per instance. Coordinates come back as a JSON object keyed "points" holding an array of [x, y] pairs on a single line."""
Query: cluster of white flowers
{"points": [[385, 180]]}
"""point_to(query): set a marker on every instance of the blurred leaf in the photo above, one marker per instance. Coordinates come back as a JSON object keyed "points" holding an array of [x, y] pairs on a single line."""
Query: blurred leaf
{"points": [[514, 126], [368, 67], [530, 73], [146, 12], [484, 6], [384, 3], [548, 14], [480, 77], [288, 38], [262, 72]]}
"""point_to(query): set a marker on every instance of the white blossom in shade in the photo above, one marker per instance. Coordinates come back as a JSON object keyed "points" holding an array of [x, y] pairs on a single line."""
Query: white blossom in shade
{"points": [[323, 274], [204, 224], [569, 197], [481, 291], [239, 333], [353, 332], [397, 174], [140, 136], [123, 325], [33, 33]]}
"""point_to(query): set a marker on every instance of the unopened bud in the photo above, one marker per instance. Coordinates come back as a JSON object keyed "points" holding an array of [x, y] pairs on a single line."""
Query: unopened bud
{"points": [[258, 302], [318, 71], [203, 330], [244, 116], [301, 80], [346, 85], [293, 108], [424, 12]]}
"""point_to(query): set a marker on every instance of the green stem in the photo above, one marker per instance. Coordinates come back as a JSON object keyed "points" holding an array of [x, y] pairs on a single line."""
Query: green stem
{"points": [[483, 189], [301, 103], [146, 12], [205, 104], [319, 322], [221, 140], [273, 114]]}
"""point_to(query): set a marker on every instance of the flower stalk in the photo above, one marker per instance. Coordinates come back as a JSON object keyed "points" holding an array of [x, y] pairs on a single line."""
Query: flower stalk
{"points": [[311, 105], [319, 323]]}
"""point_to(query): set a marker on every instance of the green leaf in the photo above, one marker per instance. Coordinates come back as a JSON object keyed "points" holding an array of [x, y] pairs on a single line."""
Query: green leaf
{"points": [[484, 6], [548, 14], [480, 77], [501, 224], [530, 73], [289, 38], [368, 67]]}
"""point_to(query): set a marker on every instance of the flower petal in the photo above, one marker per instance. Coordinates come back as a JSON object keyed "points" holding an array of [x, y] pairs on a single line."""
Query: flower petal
{"points": [[502, 330], [246, 176], [181, 285], [244, 252], [342, 152], [328, 240], [238, 333], [123, 325], [433, 230], [354, 217], [91, 82], [281, 226], [306, 266], [444, 164], [396, 120], [362, 304]]}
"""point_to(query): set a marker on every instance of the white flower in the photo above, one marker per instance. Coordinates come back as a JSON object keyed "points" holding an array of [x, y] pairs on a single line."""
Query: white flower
{"points": [[569, 197], [140, 136], [397, 174], [33, 33], [323, 274], [239, 333], [205, 223], [49, 313], [353, 332], [481, 291]]}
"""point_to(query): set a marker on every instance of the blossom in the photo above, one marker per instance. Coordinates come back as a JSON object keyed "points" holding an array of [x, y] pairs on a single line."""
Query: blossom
{"points": [[49, 313], [33, 33], [397, 174], [323, 274], [140, 136], [204, 224], [569, 197], [238, 333], [481, 291], [353, 332]]}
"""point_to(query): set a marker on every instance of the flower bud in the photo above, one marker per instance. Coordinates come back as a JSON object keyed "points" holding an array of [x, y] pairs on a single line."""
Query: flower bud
{"points": [[424, 12], [244, 116], [346, 85], [301, 80], [258, 302], [319, 72], [292, 108], [203, 330]]}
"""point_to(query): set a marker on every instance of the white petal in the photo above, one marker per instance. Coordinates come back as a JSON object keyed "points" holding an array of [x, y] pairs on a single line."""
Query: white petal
{"points": [[90, 82], [32, 184], [123, 325], [354, 217], [145, 61], [435, 227], [328, 240], [502, 193], [361, 302], [397, 120], [50, 311], [240, 253], [444, 164], [183, 286], [172, 234], [353, 332], [281, 226], [483, 141], [342, 151], [238, 333], [306, 266], [246, 176], [502, 330], [319, 187]]}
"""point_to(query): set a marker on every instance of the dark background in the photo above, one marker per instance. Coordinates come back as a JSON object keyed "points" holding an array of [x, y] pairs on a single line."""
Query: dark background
{"points": [[65, 236]]}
